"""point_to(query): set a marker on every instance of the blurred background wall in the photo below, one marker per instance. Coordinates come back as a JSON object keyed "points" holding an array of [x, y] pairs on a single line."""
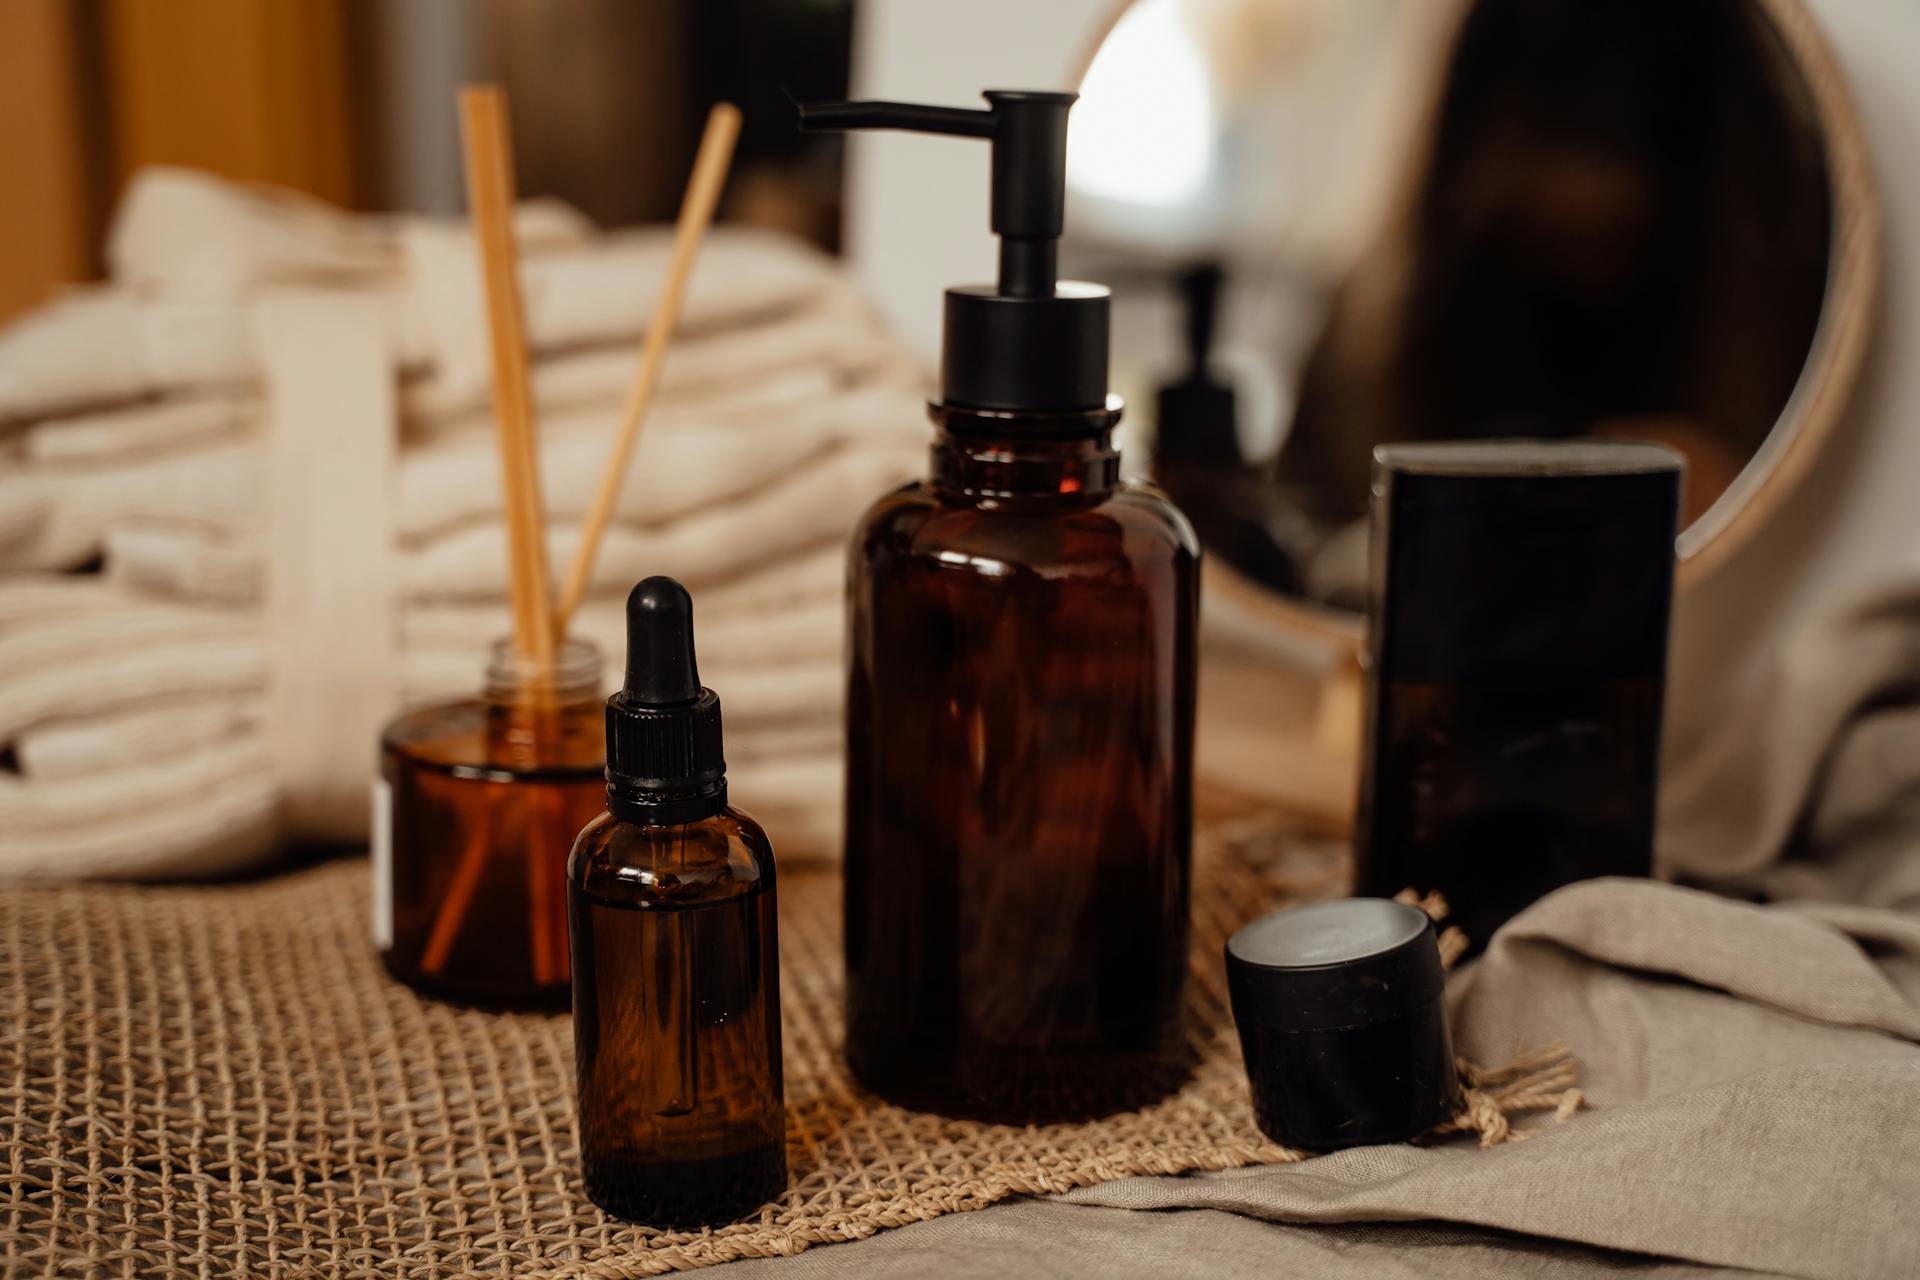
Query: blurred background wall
{"points": [[353, 101], [50, 218]]}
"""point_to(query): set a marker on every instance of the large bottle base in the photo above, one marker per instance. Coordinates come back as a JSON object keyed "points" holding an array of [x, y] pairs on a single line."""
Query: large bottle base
{"points": [[1015, 1087], [689, 1194]]}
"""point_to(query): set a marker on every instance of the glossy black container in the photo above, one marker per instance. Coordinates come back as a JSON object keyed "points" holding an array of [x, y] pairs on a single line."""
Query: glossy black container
{"points": [[1516, 664]]}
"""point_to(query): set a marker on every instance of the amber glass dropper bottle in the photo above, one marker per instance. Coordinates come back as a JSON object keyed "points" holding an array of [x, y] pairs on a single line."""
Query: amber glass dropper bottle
{"points": [[676, 983]]}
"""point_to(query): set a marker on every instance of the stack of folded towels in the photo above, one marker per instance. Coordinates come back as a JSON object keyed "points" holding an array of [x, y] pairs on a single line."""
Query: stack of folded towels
{"points": [[137, 663]]}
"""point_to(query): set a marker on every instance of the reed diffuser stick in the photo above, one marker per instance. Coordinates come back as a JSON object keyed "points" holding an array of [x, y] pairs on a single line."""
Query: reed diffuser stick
{"points": [[490, 200], [459, 896], [696, 214], [488, 147]]}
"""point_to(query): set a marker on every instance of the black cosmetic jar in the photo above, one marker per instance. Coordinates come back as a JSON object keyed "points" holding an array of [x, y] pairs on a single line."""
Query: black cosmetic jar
{"points": [[1342, 1018]]}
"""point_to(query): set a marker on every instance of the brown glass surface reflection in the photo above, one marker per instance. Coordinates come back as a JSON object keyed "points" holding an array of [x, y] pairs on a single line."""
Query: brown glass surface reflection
{"points": [[1495, 796], [485, 804], [1019, 783], [677, 1019]]}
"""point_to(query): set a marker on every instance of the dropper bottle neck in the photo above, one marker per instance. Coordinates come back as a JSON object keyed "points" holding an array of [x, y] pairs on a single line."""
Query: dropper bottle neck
{"points": [[665, 762]]}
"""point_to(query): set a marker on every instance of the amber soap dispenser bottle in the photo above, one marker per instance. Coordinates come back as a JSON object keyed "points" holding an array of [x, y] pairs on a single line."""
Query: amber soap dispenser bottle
{"points": [[1020, 700], [676, 984]]}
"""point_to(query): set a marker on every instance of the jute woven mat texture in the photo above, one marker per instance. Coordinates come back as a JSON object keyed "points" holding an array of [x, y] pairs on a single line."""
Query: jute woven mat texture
{"points": [[221, 1081]]}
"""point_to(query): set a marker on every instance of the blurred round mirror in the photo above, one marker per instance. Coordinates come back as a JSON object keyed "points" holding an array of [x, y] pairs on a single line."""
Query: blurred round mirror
{"points": [[1337, 223]]}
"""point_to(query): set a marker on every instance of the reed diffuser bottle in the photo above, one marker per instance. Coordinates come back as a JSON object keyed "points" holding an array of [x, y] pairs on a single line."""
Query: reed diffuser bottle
{"points": [[1020, 701], [676, 984], [476, 800], [473, 815], [479, 801]]}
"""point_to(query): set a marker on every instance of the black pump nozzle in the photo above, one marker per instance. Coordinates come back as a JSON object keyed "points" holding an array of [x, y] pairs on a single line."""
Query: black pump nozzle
{"points": [[1029, 135], [1050, 355], [1200, 290], [1197, 419], [665, 760]]}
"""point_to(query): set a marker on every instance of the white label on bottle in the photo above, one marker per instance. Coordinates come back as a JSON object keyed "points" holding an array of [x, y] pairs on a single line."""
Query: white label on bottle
{"points": [[382, 864]]}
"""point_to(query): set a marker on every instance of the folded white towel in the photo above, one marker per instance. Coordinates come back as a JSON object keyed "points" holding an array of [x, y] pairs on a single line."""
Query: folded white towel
{"points": [[191, 233], [185, 562], [691, 457], [583, 294], [164, 728], [797, 600], [192, 460], [144, 427], [229, 656], [829, 346], [190, 252], [105, 344], [57, 517], [202, 813], [191, 420], [709, 544]]}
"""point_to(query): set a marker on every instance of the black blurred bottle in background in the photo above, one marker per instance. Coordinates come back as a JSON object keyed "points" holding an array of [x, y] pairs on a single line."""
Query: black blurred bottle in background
{"points": [[1198, 460]]}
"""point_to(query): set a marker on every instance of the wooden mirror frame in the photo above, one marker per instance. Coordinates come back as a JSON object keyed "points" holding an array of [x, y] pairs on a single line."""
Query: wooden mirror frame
{"points": [[1819, 397]]}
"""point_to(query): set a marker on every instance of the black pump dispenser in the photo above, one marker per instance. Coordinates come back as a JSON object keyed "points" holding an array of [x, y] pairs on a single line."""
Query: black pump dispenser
{"points": [[1032, 343], [665, 763], [1196, 420]]}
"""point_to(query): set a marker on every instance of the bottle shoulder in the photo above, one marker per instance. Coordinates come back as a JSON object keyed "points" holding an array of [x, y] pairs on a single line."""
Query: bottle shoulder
{"points": [[1150, 505], [716, 859], [921, 519], [906, 505]]}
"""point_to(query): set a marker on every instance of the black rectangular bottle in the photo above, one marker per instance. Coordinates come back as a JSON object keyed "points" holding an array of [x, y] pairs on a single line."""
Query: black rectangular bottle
{"points": [[1517, 648]]}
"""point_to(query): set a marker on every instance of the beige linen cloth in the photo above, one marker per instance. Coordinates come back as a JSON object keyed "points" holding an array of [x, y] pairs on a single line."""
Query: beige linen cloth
{"points": [[1752, 1071]]}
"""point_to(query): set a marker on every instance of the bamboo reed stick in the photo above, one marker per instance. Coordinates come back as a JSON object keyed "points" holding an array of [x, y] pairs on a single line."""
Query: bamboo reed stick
{"points": [[696, 214], [543, 882], [490, 199], [488, 149], [453, 907]]}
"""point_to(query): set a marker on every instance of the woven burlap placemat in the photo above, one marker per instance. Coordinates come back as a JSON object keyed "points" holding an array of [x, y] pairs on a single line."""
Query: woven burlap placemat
{"points": [[221, 1081]]}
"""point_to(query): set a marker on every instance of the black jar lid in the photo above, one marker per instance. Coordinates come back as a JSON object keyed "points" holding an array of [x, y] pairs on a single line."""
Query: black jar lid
{"points": [[1340, 1007], [1338, 964]]}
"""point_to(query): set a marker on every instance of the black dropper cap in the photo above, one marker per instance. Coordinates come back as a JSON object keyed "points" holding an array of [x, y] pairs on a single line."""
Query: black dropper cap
{"points": [[1032, 342], [665, 763]]}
